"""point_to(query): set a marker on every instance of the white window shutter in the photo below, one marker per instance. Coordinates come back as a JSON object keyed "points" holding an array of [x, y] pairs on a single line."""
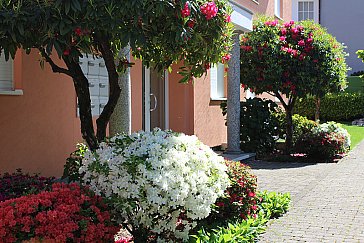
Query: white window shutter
{"points": [[6, 74], [217, 81]]}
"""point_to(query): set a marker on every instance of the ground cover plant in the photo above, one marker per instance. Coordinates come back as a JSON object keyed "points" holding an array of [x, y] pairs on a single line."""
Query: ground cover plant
{"points": [[19, 184], [290, 60], [66, 213], [271, 205]]}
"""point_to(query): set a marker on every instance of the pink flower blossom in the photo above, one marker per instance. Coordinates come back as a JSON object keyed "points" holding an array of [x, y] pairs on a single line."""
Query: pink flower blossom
{"points": [[185, 12], [291, 22], [227, 18], [309, 40], [301, 43], [209, 10], [226, 58], [284, 31], [294, 30], [282, 38]]}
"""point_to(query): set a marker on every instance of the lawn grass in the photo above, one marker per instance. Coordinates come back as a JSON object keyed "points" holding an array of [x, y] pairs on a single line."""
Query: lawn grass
{"points": [[356, 133]]}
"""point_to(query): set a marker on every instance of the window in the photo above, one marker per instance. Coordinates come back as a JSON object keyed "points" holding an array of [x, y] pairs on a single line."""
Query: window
{"points": [[277, 8], [302, 10], [305, 10], [96, 73], [6, 74], [217, 82]]}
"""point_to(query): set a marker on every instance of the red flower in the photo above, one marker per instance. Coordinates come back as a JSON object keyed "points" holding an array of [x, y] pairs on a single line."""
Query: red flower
{"points": [[220, 204], [66, 52], [209, 10], [282, 38], [185, 12], [226, 58], [78, 31], [251, 194], [284, 31], [191, 23], [227, 18], [301, 43]]}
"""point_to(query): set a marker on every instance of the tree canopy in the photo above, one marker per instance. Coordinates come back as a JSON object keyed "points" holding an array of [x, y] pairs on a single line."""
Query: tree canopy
{"points": [[291, 60], [160, 32]]}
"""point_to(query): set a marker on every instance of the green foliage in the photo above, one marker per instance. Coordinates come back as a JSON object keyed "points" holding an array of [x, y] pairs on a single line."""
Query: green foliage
{"points": [[240, 198], [258, 128], [156, 30], [301, 125], [334, 107], [355, 84], [73, 163], [272, 205]]}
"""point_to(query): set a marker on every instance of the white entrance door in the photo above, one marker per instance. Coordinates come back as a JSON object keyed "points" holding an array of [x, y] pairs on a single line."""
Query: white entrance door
{"points": [[155, 100]]}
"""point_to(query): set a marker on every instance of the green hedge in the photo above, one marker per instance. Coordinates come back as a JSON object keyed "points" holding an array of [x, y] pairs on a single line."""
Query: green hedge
{"points": [[334, 107], [355, 84]]}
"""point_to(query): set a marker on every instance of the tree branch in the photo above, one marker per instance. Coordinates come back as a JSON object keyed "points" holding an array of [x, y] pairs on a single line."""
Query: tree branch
{"points": [[278, 95], [55, 67]]}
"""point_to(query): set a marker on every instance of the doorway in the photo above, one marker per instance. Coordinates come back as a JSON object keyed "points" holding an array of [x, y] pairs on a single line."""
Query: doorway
{"points": [[155, 86]]}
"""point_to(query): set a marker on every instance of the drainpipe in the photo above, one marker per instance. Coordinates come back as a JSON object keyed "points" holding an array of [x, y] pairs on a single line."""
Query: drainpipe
{"points": [[120, 121], [233, 99]]}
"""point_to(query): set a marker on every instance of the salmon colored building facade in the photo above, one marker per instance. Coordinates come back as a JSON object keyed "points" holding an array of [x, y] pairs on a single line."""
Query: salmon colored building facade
{"points": [[39, 126]]}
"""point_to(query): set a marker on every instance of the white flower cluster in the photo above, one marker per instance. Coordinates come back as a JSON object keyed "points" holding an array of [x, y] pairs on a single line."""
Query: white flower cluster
{"points": [[333, 127], [155, 176]]}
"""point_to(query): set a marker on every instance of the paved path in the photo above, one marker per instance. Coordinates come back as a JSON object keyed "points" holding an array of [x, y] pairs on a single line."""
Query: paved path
{"points": [[327, 199]]}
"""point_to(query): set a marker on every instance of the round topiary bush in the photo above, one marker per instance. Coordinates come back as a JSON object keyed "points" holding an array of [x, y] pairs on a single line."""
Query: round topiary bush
{"points": [[159, 182]]}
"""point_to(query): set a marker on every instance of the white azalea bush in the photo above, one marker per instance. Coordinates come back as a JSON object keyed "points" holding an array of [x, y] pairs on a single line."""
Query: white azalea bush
{"points": [[336, 128], [160, 182]]}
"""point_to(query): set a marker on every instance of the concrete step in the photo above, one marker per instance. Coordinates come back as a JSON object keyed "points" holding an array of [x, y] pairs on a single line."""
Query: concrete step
{"points": [[243, 157]]}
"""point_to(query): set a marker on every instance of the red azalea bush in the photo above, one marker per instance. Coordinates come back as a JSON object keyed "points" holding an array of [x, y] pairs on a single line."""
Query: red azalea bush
{"points": [[67, 213], [18, 184], [324, 142], [240, 200]]}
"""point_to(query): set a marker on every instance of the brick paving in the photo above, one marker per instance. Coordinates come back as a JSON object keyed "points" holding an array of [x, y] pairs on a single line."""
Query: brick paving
{"points": [[327, 199]]}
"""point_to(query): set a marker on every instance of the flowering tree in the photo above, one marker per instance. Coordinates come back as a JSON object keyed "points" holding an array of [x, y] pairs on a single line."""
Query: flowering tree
{"points": [[159, 32], [291, 60]]}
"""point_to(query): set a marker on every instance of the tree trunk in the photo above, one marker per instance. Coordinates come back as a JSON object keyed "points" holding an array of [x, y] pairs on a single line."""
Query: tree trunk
{"points": [[120, 121], [83, 94], [318, 106], [289, 131], [115, 90]]}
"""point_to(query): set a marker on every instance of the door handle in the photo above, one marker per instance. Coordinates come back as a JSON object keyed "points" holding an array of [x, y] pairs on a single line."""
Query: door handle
{"points": [[155, 102]]}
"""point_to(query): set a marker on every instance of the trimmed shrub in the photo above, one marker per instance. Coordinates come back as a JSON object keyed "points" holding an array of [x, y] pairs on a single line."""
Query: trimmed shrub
{"points": [[324, 142], [19, 184], [301, 125], [334, 107], [240, 198], [258, 126], [159, 182], [67, 213]]}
